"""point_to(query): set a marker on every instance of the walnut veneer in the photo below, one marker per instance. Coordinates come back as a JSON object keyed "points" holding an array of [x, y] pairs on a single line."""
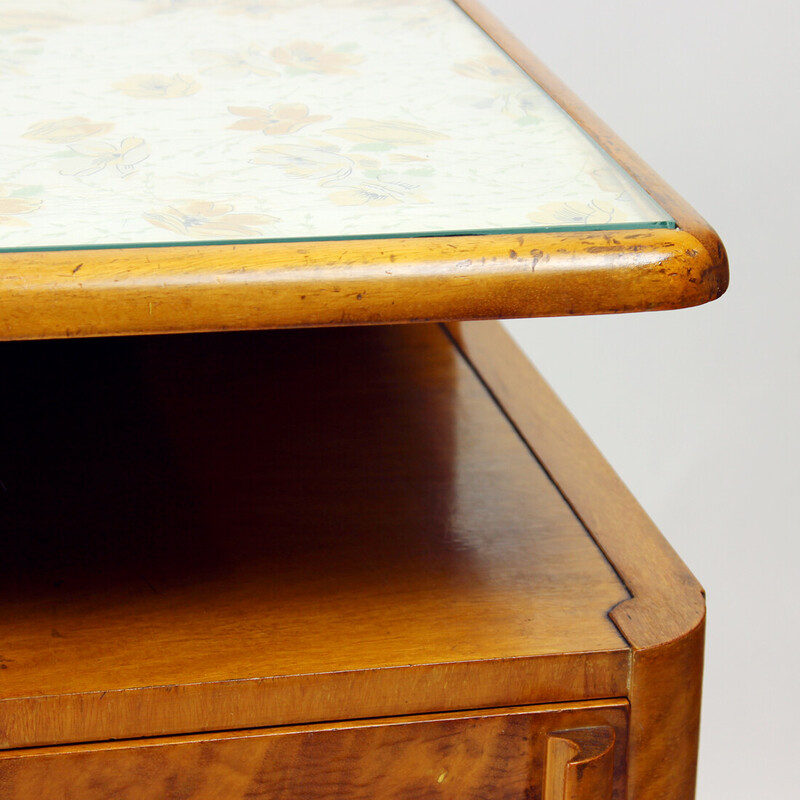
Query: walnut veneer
{"points": [[243, 531]]}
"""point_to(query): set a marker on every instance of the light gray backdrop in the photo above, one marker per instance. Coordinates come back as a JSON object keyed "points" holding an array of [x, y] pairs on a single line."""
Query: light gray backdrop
{"points": [[698, 409]]}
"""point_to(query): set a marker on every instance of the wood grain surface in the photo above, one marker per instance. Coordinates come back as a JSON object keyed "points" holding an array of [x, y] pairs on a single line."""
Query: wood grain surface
{"points": [[664, 619], [239, 287], [499, 754], [580, 764], [238, 530], [78, 293]]}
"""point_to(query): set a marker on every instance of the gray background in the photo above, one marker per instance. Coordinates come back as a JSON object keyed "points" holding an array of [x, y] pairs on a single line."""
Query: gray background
{"points": [[697, 410]]}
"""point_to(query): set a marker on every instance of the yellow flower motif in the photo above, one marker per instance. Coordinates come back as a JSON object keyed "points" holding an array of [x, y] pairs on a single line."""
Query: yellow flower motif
{"points": [[597, 212], [231, 64], [158, 86], [66, 130], [605, 178], [315, 57], [92, 157], [12, 203], [208, 220], [305, 161], [376, 194], [279, 118], [488, 68], [393, 132]]}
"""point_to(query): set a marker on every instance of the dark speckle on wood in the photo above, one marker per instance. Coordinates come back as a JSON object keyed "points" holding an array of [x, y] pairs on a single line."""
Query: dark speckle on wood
{"points": [[77, 268]]}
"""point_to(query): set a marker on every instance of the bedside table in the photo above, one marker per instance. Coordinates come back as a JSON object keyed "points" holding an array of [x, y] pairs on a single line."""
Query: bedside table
{"points": [[353, 560]]}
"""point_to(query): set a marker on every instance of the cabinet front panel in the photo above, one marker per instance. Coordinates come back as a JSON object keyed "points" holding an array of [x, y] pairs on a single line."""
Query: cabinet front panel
{"points": [[519, 754]]}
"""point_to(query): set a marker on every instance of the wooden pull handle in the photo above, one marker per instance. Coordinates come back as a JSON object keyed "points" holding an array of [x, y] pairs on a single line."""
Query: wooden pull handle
{"points": [[580, 764]]}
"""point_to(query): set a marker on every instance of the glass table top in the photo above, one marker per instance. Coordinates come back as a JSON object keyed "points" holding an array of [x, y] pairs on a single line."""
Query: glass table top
{"points": [[149, 122]]}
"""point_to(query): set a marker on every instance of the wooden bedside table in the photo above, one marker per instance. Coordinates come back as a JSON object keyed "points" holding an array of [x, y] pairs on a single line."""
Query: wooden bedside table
{"points": [[356, 562]]}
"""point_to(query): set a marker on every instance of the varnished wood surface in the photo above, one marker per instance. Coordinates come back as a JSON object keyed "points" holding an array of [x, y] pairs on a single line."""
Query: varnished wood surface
{"points": [[80, 293], [499, 754], [238, 530], [580, 764], [240, 287], [664, 619]]}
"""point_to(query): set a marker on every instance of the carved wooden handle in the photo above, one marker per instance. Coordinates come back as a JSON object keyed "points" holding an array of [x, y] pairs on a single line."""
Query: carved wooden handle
{"points": [[580, 764]]}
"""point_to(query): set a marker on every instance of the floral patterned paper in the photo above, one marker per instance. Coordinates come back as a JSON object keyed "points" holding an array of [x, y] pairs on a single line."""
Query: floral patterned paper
{"points": [[135, 122]]}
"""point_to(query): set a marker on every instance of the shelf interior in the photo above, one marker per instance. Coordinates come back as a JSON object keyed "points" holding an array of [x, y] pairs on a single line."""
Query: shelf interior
{"points": [[219, 507]]}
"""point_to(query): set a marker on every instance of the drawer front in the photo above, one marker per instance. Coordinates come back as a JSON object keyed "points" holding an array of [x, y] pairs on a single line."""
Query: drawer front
{"points": [[563, 752]]}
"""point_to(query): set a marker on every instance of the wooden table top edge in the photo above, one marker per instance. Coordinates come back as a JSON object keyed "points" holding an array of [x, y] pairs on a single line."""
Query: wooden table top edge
{"points": [[194, 287], [62, 294]]}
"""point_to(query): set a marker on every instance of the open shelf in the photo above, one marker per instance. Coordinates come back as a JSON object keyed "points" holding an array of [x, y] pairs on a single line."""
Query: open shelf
{"points": [[280, 527]]}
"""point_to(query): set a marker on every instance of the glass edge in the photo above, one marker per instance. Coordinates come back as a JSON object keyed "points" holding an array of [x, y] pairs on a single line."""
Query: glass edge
{"points": [[666, 224]]}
